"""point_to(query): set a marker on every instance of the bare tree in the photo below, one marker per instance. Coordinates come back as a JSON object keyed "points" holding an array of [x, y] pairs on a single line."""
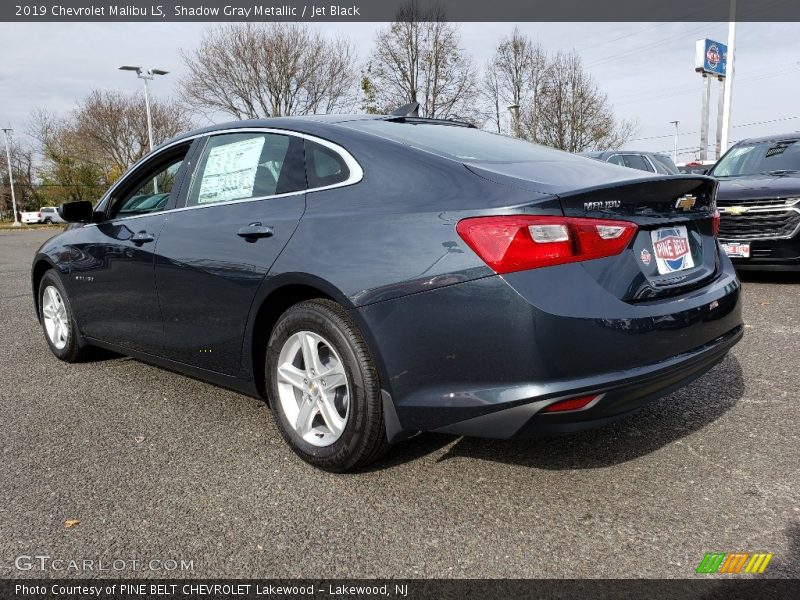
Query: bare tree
{"points": [[269, 70], [571, 112], [419, 58], [67, 170], [113, 126], [514, 75], [491, 93], [85, 151]]}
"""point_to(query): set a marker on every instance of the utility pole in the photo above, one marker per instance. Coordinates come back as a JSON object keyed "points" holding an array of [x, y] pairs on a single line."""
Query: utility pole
{"points": [[7, 134], [726, 113], [675, 145]]}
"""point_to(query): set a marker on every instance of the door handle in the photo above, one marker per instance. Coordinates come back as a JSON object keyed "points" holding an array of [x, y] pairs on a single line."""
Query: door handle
{"points": [[254, 231], [142, 237]]}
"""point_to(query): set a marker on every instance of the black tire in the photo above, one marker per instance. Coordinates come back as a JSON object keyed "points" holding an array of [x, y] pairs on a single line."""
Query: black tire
{"points": [[363, 439], [47, 221], [75, 348]]}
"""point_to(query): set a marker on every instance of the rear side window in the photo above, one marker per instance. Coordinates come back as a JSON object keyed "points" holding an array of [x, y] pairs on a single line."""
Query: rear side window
{"points": [[324, 166], [240, 166], [636, 161], [617, 160]]}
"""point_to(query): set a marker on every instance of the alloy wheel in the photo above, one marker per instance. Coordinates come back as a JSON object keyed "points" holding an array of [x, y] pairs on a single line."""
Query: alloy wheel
{"points": [[56, 320], [313, 388]]}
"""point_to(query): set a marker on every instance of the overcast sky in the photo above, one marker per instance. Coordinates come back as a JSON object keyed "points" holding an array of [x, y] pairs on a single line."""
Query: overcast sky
{"points": [[645, 68]]}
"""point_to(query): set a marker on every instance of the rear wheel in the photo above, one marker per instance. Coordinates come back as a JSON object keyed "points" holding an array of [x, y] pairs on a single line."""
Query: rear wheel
{"points": [[48, 220], [324, 388], [57, 320]]}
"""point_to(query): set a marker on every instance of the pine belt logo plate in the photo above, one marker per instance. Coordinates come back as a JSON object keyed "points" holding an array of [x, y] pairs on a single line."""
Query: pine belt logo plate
{"points": [[672, 249]]}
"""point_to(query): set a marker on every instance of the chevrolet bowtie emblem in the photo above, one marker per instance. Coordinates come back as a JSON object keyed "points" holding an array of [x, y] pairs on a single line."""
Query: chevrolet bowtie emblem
{"points": [[735, 210], [686, 202]]}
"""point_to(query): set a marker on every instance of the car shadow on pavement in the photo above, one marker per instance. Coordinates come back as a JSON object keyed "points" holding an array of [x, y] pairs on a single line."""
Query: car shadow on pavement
{"points": [[789, 566], [660, 423], [769, 276]]}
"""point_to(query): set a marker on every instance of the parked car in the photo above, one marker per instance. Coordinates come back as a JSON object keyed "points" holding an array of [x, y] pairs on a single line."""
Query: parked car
{"points": [[759, 198], [696, 167], [652, 162], [46, 214], [49, 214], [377, 276], [31, 217]]}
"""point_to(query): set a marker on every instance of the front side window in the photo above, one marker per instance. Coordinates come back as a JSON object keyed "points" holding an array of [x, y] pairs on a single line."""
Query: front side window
{"points": [[240, 166], [151, 192]]}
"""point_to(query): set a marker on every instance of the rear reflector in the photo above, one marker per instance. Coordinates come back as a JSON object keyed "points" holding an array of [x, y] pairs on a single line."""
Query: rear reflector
{"points": [[570, 404], [715, 223], [520, 242]]}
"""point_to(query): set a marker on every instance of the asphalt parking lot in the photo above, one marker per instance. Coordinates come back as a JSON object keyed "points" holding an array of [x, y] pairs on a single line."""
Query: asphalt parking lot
{"points": [[155, 465]]}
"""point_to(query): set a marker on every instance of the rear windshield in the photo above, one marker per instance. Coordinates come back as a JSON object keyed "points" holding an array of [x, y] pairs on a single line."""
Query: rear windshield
{"points": [[460, 143], [760, 158]]}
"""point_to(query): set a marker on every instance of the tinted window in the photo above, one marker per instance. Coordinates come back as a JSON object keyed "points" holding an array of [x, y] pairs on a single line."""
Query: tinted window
{"points": [[239, 166], [151, 192], [324, 166], [664, 164], [617, 160], [759, 157], [636, 161]]}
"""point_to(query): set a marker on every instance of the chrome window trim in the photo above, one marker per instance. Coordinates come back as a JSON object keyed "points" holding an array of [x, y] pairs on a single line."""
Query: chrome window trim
{"points": [[355, 176]]}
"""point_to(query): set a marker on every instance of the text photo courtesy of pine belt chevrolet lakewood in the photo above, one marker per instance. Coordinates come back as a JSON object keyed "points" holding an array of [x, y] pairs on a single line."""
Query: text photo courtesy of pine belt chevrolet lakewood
{"points": [[372, 277]]}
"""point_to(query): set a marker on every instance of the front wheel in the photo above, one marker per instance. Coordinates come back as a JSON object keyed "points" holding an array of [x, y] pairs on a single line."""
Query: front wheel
{"points": [[57, 319], [324, 389], [48, 221]]}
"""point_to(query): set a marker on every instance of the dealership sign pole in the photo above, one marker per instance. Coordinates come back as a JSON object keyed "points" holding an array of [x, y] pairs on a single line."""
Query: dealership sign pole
{"points": [[710, 60], [726, 111]]}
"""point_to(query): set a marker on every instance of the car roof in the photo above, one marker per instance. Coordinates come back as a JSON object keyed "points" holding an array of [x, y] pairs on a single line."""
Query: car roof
{"points": [[795, 135], [310, 124]]}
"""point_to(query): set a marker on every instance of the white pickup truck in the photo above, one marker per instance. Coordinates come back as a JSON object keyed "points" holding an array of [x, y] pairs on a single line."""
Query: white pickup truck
{"points": [[46, 214]]}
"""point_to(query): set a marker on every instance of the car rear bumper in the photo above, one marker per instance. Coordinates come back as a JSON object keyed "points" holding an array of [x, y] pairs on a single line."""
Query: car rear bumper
{"points": [[618, 395], [483, 358]]}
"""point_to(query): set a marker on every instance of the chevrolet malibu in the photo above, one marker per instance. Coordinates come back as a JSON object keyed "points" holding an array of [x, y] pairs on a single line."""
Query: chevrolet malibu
{"points": [[372, 277]]}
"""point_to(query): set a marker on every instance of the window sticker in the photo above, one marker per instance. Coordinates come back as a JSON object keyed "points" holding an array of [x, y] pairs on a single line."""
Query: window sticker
{"points": [[230, 171]]}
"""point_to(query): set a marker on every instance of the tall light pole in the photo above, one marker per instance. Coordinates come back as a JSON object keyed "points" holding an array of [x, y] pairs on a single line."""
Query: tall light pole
{"points": [[675, 146], [7, 131], [726, 110], [514, 108], [146, 75]]}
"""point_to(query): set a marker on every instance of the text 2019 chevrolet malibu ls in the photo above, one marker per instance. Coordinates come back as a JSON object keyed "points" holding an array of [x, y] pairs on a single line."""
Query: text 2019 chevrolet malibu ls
{"points": [[376, 276]]}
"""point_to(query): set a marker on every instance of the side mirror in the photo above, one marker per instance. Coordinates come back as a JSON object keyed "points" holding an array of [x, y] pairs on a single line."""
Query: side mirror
{"points": [[76, 212]]}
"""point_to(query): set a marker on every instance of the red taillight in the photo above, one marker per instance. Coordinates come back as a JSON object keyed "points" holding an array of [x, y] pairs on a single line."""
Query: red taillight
{"points": [[570, 404], [520, 242], [715, 222]]}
